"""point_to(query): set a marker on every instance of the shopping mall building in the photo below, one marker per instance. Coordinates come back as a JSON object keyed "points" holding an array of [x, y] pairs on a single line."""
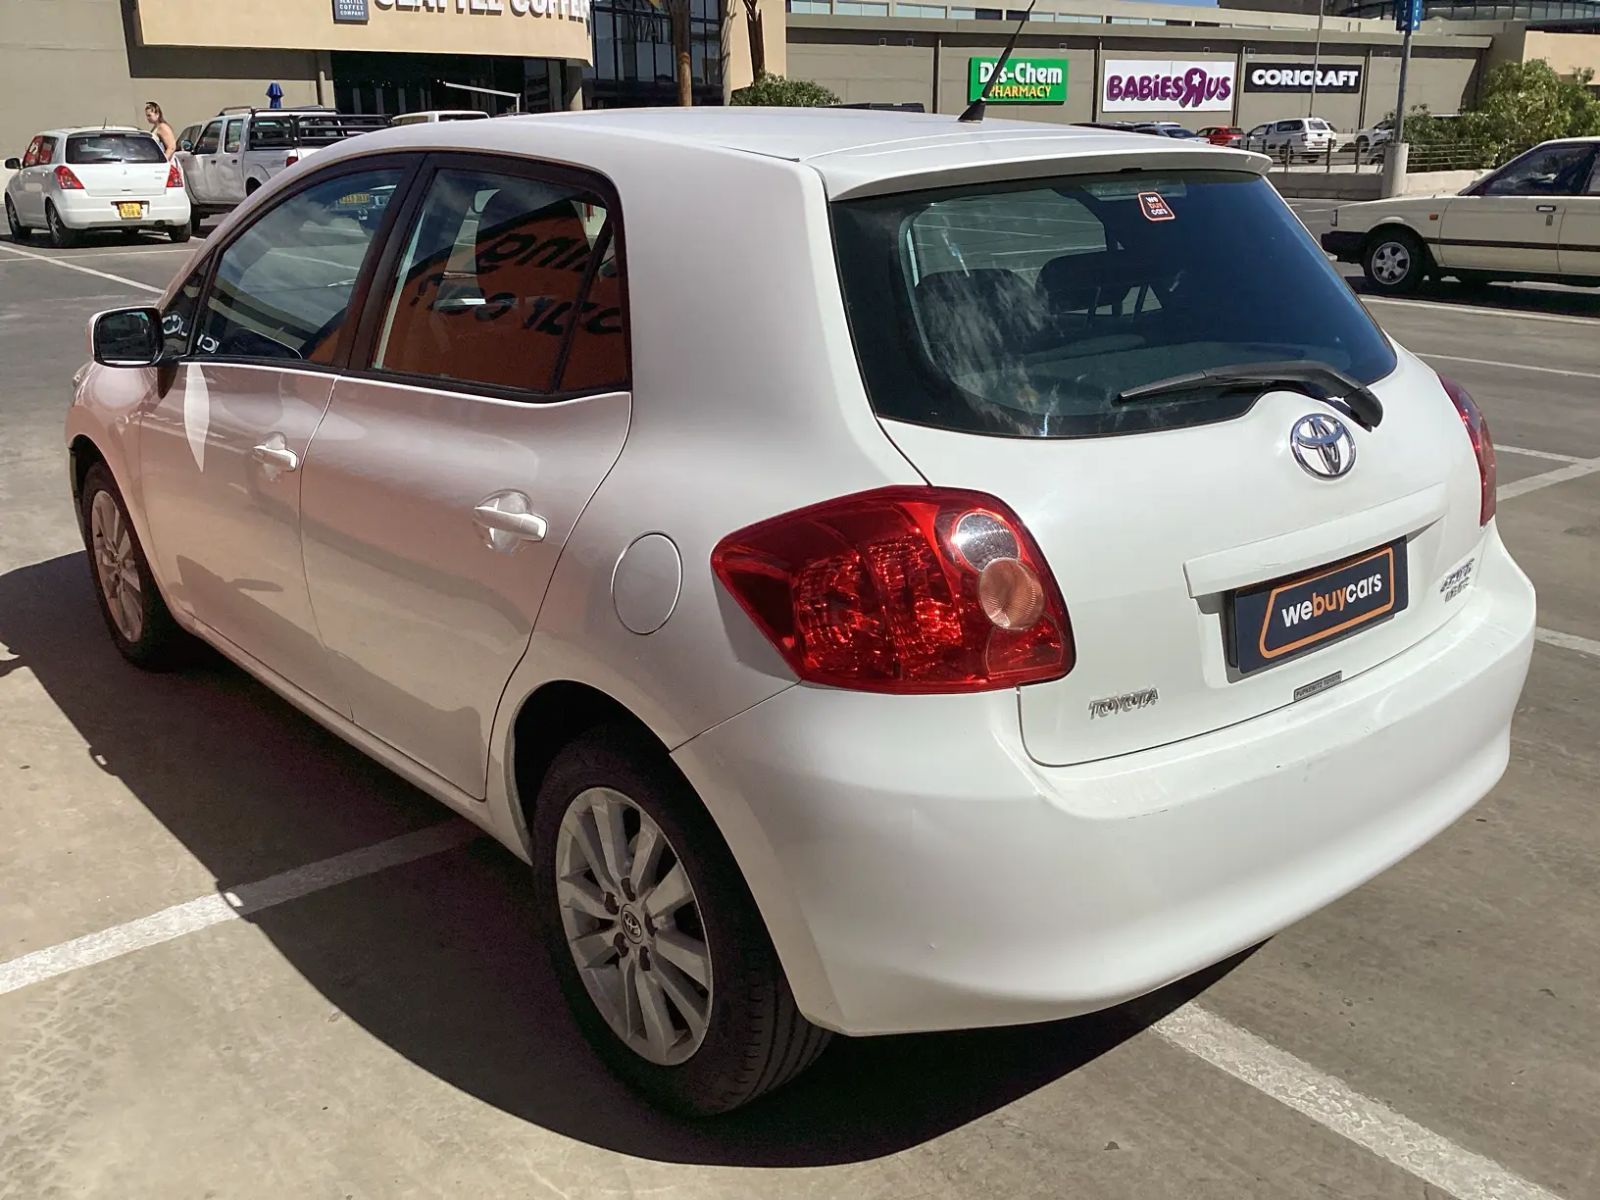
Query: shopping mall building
{"points": [[68, 62]]}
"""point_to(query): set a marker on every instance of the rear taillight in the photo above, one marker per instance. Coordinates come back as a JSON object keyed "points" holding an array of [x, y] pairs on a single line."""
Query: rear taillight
{"points": [[66, 180], [1482, 444], [174, 176], [290, 160], [902, 589]]}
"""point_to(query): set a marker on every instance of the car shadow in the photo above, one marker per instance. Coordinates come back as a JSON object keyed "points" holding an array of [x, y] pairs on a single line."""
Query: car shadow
{"points": [[437, 959], [1508, 297]]}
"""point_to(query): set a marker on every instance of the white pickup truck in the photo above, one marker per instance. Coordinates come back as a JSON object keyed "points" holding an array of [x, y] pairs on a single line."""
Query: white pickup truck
{"points": [[241, 148]]}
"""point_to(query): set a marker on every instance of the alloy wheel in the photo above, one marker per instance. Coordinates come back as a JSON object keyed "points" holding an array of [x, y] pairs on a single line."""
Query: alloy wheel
{"points": [[115, 566], [1391, 262], [633, 925]]}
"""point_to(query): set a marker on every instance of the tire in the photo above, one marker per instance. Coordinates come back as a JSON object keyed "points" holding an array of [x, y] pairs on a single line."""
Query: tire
{"points": [[754, 1038], [140, 625], [179, 233], [19, 231], [195, 218], [1395, 261], [60, 236]]}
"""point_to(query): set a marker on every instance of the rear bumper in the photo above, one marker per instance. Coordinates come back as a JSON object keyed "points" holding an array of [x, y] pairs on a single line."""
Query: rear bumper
{"points": [[79, 210], [1343, 244], [919, 872]]}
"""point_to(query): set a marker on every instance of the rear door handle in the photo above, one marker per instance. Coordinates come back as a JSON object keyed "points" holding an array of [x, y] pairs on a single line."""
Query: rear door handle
{"points": [[507, 519], [273, 453], [1546, 208]]}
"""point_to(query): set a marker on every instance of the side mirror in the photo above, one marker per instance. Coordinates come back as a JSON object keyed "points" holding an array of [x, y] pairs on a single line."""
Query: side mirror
{"points": [[13, 164], [126, 337], [186, 144]]}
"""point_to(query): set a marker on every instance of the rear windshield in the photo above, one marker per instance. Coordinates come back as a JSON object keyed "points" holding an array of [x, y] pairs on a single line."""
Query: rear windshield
{"points": [[1024, 309], [85, 148], [1318, 123]]}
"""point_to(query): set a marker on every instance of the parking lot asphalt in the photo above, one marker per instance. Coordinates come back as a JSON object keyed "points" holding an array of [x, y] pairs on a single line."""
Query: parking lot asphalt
{"points": [[237, 958]]}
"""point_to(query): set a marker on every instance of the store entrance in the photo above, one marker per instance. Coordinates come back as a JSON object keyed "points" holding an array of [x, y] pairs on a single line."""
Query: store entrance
{"points": [[391, 84]]}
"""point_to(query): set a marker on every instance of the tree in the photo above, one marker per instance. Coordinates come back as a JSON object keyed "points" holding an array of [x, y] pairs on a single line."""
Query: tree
{"points": [[1527, 103], [775, 91], [677, 12]]}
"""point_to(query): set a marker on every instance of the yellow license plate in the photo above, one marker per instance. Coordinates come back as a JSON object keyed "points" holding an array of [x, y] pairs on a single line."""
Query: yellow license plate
{"points": [[356, 200], [130, 210]]}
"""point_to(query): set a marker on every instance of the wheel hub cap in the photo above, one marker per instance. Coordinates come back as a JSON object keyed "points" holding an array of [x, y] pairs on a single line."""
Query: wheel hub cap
{"points": [[633, 925], [1390, 262], [115, 566]]}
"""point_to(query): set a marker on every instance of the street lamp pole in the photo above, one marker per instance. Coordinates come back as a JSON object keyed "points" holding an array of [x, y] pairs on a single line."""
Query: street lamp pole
{"points": [[1316, 59]]}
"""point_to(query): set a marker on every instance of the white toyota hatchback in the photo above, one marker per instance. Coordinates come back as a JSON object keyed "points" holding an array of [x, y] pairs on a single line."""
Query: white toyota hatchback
{"points": [[72, 181], [883, 573]]}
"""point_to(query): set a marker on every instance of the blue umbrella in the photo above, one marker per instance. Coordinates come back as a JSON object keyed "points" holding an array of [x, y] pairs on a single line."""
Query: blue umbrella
{"points": [[275, 95]]}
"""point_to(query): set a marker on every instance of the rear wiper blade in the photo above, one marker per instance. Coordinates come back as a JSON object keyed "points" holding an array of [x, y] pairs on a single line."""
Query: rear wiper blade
{"points": [[1320, 380]]}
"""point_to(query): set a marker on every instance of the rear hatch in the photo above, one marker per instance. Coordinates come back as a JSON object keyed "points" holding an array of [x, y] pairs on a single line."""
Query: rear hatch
{"points": [[118, 165], [996, 324]]}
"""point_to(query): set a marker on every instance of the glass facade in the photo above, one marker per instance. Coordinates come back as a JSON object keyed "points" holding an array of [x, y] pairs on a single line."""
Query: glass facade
{"points": [[400, 83], [1479, 10], [633, 62]]}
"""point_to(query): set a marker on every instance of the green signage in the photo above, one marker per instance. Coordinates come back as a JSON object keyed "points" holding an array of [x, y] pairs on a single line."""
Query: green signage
{"points": [[1024, 81]]}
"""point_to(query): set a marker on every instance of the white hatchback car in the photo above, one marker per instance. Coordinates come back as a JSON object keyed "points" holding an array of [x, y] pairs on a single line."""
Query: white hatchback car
{"points": [[74, 180], [884, 573]]}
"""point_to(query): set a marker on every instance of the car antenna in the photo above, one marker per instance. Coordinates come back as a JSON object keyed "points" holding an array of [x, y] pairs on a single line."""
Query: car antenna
{"points": [[975, 110]]}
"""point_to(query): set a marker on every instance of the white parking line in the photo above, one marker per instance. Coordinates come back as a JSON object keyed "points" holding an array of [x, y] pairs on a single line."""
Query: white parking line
{"points": [[1550, 454], [1568, 641], [1489, 362], [63, 263], [131, 252], [1335, 1105], [1521, 487], [205, 911], [1485, 312]]}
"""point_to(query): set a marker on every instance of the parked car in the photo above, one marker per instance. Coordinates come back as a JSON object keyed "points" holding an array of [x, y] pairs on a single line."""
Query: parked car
{"points": [[72, 181], [439, 114], [242, 148], [921, 694], [1169, 129], [1536, 218], [1296, 137], [1222, 135]]}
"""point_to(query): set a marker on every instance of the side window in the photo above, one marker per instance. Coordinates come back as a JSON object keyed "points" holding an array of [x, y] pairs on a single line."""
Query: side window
{"points": [[282, 288], [230, 143], [47, 150], [1594, 178], [31, 156], [1288, 126], [500, 275], [1552, 171], [177, 318], [210, 139], [271, 133]]}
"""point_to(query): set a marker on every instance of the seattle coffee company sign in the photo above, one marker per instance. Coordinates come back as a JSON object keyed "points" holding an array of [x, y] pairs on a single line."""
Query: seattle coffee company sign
{"points": [[576, 10], [1296, 77], [1167, 85]]}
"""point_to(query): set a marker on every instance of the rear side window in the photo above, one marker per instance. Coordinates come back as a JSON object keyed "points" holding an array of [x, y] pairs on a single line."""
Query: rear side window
{"points": [[508, 282], [271, 133], [282, 288], [230, 138], [85, 148], [1026, 309], [1288, 126]]}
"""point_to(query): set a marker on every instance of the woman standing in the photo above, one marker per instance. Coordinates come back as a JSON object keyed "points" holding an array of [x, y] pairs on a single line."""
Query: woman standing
{"points": [[159, 127]]}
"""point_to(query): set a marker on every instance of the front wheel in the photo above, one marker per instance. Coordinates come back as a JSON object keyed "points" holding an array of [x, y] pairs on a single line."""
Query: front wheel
{"points": [[1395, 261], [60, 236], [134, 612], [653, 935], [19, 231]]}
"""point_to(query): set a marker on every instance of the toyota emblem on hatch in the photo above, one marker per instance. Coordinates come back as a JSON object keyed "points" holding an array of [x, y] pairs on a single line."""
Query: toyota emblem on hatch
{"points": [[1323, 446]]}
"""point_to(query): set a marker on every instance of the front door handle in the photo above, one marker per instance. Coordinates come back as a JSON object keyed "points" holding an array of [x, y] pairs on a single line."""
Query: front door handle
{"points": [[273, 454], [507, 519], [1545, 208]]}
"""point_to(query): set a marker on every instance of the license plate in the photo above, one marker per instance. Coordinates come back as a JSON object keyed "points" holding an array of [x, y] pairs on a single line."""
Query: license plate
{"points": [[1289, 617], [356, 200], [130, 210]]}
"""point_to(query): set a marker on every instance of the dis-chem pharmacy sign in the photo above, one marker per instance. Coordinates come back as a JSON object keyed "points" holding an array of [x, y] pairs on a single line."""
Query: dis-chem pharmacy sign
{"points": [[1023, 81]]}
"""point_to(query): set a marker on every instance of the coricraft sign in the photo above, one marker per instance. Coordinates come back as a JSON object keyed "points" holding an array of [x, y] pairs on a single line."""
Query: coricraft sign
{"points": [[577, 10], [1024, 80], [1162, 85], [1296, 77]]}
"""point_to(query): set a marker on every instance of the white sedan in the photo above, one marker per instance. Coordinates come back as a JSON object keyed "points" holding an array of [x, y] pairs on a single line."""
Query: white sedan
{"points": [[952, 587], [1536, 218], [71, 181]]}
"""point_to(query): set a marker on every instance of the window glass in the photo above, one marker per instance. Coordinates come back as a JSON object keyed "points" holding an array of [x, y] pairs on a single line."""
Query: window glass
{"points": [[230, 141], [271, 133], [47, 151], [1025, 309], [1288, 126], [1543, 171], [114, 148], [31, 156], [282, 288], [210, 139], [177, 318], [493, 277]]}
